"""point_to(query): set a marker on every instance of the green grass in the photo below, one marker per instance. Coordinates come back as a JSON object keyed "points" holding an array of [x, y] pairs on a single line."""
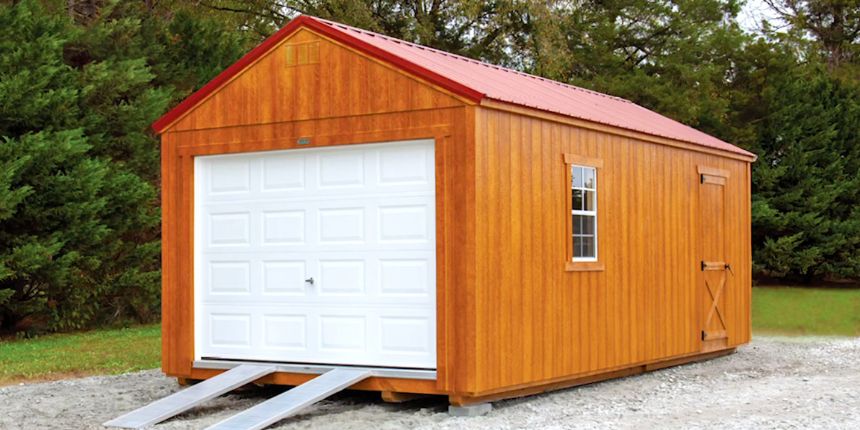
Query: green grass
{"points": [[806, 311], [776, 310], [57, 356]]}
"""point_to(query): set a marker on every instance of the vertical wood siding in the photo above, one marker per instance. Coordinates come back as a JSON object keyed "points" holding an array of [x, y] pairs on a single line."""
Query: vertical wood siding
{"points": [[344, 98], [537, 322], [342, 83], [509, 315]]}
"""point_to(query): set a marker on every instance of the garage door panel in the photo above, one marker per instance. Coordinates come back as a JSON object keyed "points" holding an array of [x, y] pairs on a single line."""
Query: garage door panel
{"points": [[230, 330], [405, 335], [358, 221], [341, 225], [229, 176], [324, 334], [283, 173], [229, 277], [406, 166], [406, 277], [284, 278], [399, 277], [286, 332], [229, 229], [404, 223], [387, 221], [343, 333], [341, 277], [283, 227], [340, 169]]}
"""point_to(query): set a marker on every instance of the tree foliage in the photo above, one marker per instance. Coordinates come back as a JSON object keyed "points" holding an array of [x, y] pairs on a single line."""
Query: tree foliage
{"points": [[79, 221], [787, 93], [81, 80], [832, 27]]}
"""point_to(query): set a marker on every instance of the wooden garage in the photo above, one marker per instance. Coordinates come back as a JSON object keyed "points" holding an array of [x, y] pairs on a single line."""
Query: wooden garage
{"points": [[341, 199]]}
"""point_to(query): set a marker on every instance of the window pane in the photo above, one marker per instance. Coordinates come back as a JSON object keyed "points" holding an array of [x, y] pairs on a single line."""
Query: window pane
{"points": [[577, 177], [577, 203], [583, 202], [587, 225], [589, 200], [588, 178], [583, 224], [587, 246]]}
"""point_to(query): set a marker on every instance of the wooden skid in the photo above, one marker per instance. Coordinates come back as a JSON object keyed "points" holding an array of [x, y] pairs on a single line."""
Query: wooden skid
{"points": [[459, 400]]}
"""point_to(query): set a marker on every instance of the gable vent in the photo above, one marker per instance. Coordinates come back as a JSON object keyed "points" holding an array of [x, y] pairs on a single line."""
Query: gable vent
{"points": [[299, 54]]}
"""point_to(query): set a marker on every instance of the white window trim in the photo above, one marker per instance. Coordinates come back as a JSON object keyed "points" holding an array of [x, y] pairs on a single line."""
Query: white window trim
{"points": [[588, 213]]}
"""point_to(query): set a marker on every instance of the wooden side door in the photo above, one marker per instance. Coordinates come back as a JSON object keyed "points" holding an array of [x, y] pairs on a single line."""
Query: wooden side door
{"points": [[715, 271]]}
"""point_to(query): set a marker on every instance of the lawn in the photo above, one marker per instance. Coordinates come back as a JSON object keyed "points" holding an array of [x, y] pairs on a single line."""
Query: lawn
{"points": [[806, 311], [59, 356], [776, 310]]}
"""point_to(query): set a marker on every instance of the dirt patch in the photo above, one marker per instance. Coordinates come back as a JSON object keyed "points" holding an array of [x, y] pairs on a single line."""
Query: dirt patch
{"points": [[771, 383]]}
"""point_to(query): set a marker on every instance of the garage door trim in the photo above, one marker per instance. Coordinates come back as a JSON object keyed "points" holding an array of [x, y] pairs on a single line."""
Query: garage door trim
{"points": [[402, 194]]}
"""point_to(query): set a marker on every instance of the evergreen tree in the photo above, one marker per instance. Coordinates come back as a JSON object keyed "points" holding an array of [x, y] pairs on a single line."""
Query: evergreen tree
{"points": [[806, 185], [79, 86]]}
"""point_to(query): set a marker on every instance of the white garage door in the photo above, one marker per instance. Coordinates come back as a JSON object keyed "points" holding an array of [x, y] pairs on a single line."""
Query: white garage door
{"points": [[318, 255]]}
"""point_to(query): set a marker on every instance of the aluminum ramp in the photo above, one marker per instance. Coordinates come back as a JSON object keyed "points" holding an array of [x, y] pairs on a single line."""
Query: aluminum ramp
{"points": [[292, 401], [190, 397]]}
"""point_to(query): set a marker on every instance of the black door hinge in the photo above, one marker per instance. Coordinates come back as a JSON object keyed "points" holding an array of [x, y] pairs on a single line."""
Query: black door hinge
{"points": [[703, 335], [701, 178], [703, 265]]}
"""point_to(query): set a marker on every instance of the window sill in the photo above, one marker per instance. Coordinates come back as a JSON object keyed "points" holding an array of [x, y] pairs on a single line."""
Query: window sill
{"points": [[583, 266]]}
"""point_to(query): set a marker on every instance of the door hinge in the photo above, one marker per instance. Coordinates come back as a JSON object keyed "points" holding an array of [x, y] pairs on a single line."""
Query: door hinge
{"points": [[701, 178], [703, 265], [703, 335]]}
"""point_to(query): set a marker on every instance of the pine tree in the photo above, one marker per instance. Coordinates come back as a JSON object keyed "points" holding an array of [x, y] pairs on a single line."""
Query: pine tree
{"points": [[806, 201], [79, 219]]}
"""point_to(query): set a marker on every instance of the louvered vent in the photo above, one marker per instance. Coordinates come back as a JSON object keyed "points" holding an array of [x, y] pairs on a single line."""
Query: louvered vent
{"points": [[299, 54]]}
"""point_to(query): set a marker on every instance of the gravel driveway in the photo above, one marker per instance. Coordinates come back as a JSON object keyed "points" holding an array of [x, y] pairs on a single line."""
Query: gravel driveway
{"points": [[771, 383]]}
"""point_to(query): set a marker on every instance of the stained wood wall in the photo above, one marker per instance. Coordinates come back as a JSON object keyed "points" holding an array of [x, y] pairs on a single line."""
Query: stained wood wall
{"points": [[337, 97], [339, 83], [534, 321], [509, 315]]}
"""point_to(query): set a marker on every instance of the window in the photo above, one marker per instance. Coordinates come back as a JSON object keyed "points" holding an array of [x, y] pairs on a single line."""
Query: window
{"points": [[584, 212], [583, 176]]}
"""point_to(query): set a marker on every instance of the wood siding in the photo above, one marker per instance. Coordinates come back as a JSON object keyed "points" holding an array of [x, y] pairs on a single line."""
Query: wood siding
{"points": [[535, 321], [344, 98], [510, 316], [340, 83]]}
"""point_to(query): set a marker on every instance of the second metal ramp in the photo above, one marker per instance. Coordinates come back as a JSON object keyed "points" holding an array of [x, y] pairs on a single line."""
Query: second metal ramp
{"points": [[292, 401], [190, 397]]}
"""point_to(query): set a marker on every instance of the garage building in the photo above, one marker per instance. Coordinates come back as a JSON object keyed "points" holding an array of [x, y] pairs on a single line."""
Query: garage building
{"points": [[341, 199]]}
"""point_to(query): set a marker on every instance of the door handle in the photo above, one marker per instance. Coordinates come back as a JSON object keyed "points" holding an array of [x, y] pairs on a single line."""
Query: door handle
{"points": [[310, 280]]}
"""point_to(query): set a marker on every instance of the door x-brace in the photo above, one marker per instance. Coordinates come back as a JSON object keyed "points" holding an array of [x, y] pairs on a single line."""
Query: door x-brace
{"points": [[715, 293]]}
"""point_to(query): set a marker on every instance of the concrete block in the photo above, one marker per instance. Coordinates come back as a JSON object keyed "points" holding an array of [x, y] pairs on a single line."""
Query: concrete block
{"points": [[475, 410]]}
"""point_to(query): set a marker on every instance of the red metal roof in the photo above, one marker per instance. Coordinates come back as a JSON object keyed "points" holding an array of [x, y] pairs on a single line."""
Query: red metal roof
{"points": [[476, 80]]}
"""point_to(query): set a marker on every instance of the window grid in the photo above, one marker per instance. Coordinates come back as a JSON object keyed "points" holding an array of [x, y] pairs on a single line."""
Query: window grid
{"points": [[584, 212]]}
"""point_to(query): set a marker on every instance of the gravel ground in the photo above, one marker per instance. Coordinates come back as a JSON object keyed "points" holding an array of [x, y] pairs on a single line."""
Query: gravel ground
{"points": [[771, 383]]}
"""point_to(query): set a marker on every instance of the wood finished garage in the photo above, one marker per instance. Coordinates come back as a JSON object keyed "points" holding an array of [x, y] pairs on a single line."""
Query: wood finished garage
{"points": [[342, 199]]}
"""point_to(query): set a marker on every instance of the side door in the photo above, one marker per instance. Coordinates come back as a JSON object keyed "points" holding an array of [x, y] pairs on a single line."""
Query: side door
{"points": [[715, 272]]}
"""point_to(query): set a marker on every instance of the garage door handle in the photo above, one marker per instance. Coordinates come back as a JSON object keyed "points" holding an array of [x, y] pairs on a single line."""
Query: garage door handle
{"points": [[310, 281]]}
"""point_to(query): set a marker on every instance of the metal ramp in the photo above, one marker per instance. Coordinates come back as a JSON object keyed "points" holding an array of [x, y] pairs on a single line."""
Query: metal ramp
{"points": [[292, 401], [190, 397]]}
